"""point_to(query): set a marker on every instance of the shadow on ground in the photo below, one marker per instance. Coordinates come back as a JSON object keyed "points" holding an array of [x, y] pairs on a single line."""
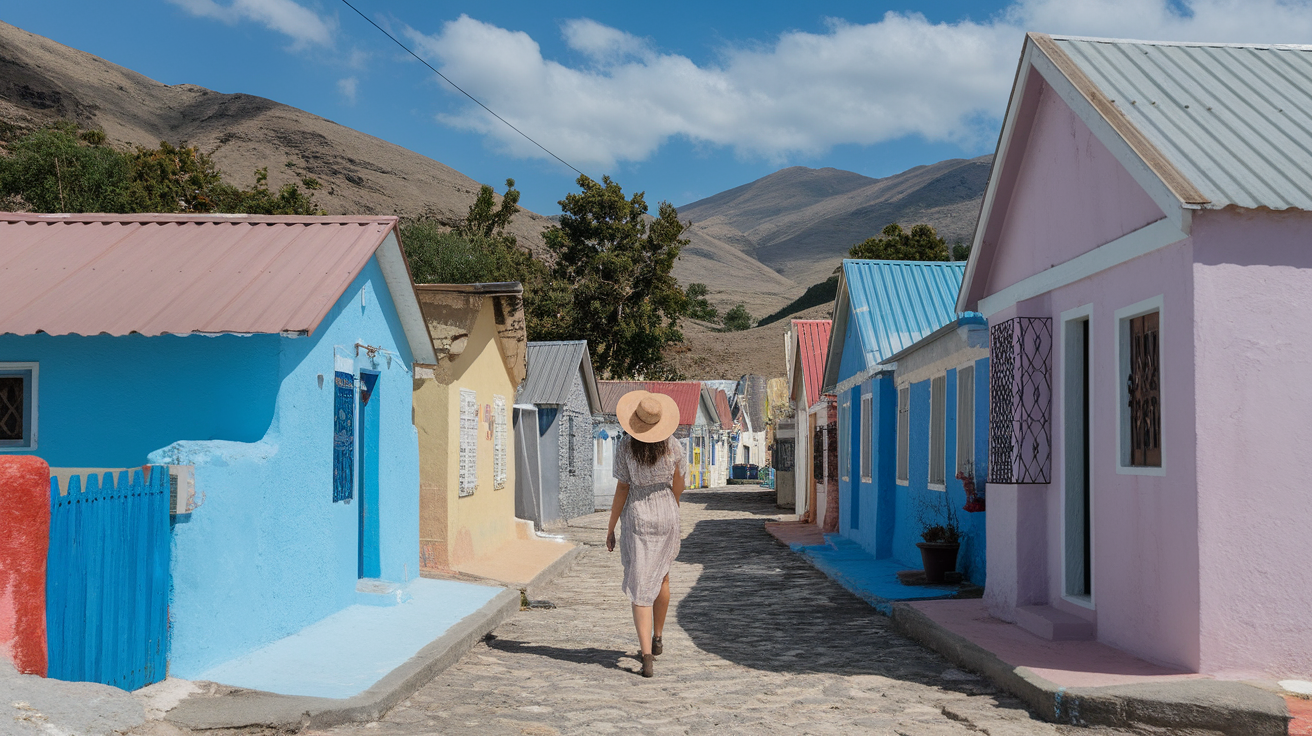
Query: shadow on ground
{"points": [[608, 658], [760, 605], [751, 500]]}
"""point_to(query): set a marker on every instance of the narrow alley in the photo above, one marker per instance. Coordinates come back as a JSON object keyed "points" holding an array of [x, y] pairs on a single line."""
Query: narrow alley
{"points": [[741, 656]]}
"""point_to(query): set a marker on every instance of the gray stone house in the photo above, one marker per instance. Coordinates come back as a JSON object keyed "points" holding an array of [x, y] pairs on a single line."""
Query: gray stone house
{"points": [[563, 388]]}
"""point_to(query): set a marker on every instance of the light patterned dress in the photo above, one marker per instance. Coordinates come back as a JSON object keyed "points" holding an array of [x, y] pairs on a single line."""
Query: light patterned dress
{"points": [[649, 523]]}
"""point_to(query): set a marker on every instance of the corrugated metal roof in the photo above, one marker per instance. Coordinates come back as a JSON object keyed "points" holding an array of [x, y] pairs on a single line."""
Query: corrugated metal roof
{"points": [[895, 303], [611, 391], [552, 367], [1235, 120], [722, 406], [176, 274], [686, 395], [812, 347]]}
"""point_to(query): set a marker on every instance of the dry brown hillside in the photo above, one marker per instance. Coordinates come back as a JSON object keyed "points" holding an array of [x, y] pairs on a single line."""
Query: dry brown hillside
{"points": [[709, 355], [41, 80]]}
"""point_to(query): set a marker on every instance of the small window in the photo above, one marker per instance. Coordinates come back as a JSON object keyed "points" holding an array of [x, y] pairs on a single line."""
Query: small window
{"points": [[966, 420], [572, 470], [866, 435], [904, 434], [499, 438], [468, 442], [1144, 392], [845, 439], [18, 406], [937, 428]]}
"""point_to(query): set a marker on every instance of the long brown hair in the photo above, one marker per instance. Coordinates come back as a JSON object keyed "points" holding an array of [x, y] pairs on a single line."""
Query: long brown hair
{"points": [[648, 454]]}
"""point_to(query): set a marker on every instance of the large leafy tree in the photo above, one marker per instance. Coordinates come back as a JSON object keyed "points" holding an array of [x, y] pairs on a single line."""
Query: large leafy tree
{"points": [[895, 244], [615, 262]]}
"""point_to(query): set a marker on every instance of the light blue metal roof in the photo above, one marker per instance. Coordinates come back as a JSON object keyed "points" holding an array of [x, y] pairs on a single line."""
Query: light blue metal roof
{"points": [[1234, 119], [891, 304]]}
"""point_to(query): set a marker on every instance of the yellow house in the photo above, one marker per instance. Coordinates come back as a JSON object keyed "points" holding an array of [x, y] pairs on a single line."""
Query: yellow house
{"points": [[462, 408]]}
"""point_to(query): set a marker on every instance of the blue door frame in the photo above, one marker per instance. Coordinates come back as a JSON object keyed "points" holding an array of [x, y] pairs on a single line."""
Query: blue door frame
{"points": [[369, 565]]}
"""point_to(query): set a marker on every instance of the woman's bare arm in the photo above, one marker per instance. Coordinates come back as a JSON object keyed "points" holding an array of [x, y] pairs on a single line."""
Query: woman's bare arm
{"points": [[677, 486], [616, 506]]}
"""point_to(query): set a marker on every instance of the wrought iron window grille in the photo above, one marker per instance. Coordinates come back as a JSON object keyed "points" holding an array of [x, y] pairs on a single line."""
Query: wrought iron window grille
{"points": [[1020, 401]]}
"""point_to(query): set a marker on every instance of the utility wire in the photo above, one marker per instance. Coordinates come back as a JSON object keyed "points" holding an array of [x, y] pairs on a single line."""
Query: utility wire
{"points": [[466, 94]]}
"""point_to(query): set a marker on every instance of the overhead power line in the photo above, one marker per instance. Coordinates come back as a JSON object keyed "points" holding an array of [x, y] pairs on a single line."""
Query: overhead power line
{"points": [[458, 88]]}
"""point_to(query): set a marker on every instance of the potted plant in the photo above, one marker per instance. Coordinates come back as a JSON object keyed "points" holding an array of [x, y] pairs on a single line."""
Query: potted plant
{"points": [[942, 535]]}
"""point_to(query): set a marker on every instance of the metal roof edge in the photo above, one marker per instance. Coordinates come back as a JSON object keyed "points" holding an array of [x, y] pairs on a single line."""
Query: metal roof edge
{"points": [[495, 288], [1209, 44], [965, 320], [396, 273]]}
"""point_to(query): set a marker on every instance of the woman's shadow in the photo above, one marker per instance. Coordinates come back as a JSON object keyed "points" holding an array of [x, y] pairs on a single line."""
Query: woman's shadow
{"points": [[609, 658]]}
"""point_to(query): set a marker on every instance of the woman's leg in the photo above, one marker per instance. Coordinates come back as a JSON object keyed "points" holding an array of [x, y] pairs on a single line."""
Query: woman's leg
{"points": [[661, 606], [642, 620]]}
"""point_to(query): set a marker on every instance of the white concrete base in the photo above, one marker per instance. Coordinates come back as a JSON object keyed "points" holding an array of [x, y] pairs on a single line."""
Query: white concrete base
{"points": [[1049, 623]]}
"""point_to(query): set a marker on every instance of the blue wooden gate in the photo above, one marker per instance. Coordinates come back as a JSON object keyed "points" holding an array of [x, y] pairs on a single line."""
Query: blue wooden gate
{"points": [[107, 579]]}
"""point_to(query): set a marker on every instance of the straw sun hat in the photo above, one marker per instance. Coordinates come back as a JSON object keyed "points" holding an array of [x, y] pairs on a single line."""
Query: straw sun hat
{"points": [[646, 416]]}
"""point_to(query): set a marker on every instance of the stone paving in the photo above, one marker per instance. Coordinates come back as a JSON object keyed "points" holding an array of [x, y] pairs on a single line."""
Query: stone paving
{"points": [[758, 642]]}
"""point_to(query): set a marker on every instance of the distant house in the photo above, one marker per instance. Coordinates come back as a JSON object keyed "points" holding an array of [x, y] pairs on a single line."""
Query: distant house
{"points": [[882, 308], [751, 417], [462, 407], [721, 434], [607, 433], [1142, 258], [273, 355], [562, 386], [698, 420], [808, 341]]}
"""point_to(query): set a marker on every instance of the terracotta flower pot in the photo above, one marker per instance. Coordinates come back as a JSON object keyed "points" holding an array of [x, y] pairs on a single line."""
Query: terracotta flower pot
{"points": [[938, 558]]}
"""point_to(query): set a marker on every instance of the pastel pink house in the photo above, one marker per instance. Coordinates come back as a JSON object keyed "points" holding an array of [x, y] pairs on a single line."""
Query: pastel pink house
{"points": [[1144, 258]]}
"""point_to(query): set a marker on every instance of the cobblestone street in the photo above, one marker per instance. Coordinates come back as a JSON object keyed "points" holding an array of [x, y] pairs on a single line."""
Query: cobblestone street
{"points": [[758, 641]]}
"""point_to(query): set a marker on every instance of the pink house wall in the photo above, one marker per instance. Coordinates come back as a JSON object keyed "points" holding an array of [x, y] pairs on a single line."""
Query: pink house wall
{"points": [[1252, 286], [1070, 196]]}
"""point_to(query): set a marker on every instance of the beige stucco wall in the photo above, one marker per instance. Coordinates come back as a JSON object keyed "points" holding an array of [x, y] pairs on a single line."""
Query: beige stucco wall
{"points": [[455, 530]]}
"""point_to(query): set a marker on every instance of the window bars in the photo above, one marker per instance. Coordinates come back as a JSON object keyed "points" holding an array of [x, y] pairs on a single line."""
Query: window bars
{"points": [[938, 405], [1020, 401], [1144, 392], [11, 408], [499, 438], [468, 442], [904, 434]]}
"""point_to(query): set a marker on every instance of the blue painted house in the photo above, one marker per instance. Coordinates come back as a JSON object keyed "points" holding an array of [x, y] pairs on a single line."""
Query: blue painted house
{"points": [[275, 356], [884, 309], [941, 439]]}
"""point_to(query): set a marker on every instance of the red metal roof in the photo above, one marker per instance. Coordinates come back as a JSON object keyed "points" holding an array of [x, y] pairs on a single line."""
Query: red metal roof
{"points": [[722, 406], [178, 274], [812, 347], [686, 395]]}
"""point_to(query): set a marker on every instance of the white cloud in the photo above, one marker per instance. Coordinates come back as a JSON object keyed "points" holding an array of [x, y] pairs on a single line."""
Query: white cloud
{"points": [[287, 17], [347, 87], [805, 92]]}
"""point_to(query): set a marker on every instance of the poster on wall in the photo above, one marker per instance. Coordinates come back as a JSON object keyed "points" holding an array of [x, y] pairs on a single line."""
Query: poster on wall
{"points": [[343, 435]]}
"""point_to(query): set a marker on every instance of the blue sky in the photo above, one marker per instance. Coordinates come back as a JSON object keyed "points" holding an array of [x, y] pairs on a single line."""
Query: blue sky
{"points": [[679, 99]]}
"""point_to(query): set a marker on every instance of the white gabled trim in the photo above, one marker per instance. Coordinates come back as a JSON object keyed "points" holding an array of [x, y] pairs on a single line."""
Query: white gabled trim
{"points": [[1145, 240], [397, 275]]}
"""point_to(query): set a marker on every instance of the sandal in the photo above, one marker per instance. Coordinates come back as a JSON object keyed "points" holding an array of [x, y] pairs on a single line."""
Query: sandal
{"points": [[648, 665], [656, 646]]}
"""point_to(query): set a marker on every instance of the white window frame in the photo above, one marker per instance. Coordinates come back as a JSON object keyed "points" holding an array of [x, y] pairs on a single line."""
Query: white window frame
{"points": [[867, 438], [904, 435], [1122, 322], [845, 438], [468, 442], [938, 422], [499, 441], [28, 443], [965, 429]]}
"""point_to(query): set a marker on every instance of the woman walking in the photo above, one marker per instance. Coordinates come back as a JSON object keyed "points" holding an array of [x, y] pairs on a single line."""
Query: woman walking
{"points": [[649, 468]]}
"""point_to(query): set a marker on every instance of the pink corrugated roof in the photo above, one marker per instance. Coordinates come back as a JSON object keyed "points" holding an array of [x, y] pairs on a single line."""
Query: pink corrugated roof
{"points": [[812, 347], [178, 274], [685, 393], [611, 391]]}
